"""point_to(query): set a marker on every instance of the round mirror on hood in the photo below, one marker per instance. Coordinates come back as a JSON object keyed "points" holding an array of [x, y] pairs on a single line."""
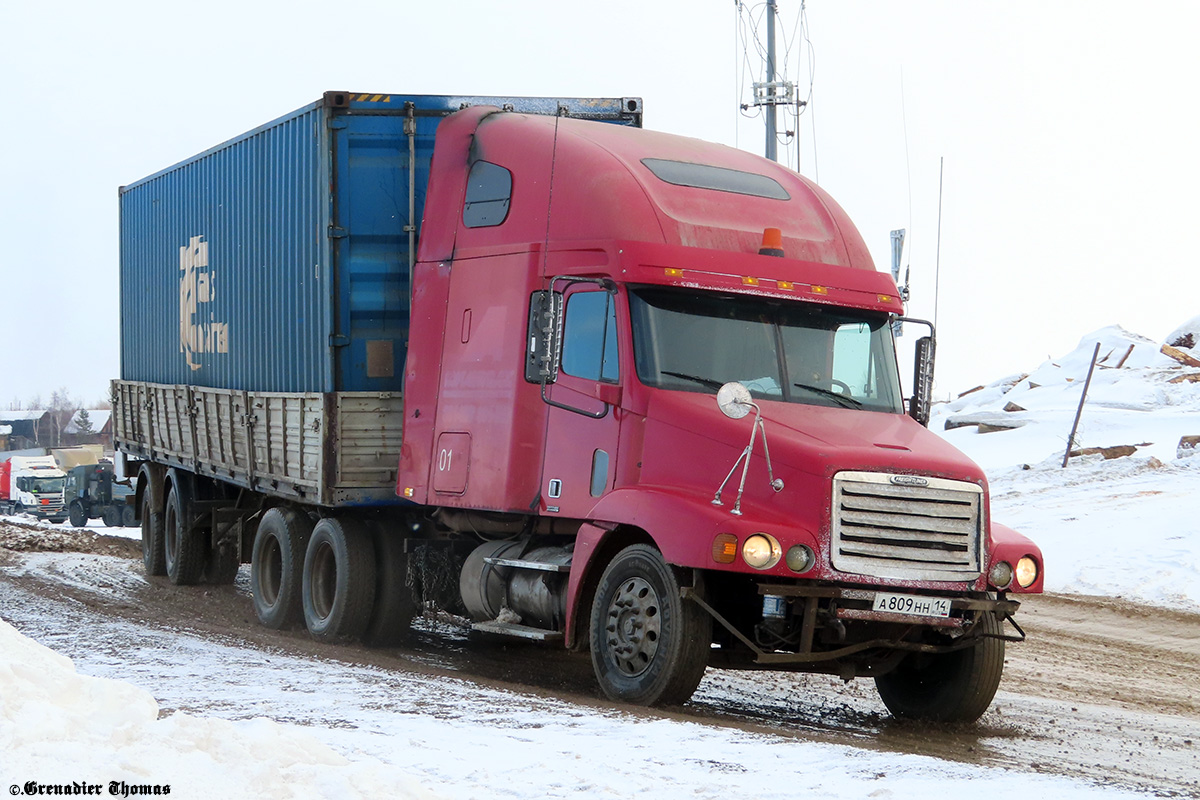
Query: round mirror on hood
{"points": [[734, 400]]}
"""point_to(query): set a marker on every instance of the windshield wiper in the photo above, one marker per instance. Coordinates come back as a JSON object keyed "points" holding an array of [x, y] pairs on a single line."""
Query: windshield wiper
{"points": [[845, 399], [709, 382]]}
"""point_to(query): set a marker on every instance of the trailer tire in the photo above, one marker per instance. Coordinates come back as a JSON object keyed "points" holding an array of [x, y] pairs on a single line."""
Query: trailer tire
{"points": [[339, 580], [277, 567], [154, 557], [186, 548], [946, 687], [77, 515], [649, 645], [395, 606], [111, 516]]}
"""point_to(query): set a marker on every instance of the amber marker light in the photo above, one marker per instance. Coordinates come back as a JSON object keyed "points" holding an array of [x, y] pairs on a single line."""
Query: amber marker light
{"points": [[724, 548], [785, 285], [885, 298], [820, 289], [749, 280], [673, 272]]}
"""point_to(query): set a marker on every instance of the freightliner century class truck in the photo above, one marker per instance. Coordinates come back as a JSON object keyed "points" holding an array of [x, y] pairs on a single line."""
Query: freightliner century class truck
{"points": [[523, 361]]}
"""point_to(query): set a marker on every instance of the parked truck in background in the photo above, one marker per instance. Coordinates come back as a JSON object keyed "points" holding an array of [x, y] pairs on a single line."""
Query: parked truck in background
{"points": [[32, 485], [90, 492], [619, 391]]}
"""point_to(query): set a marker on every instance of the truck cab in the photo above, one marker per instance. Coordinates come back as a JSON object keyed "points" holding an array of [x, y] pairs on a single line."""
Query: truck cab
{"points": [[33, 485], [814, 525]]}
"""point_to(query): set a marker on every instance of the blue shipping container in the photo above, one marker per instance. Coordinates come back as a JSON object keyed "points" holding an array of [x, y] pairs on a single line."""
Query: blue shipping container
{"points": [[279, 260]]}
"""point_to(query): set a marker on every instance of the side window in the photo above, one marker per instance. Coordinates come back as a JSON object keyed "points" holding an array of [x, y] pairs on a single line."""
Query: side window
{"points": [[489, 192], [590, 337]]}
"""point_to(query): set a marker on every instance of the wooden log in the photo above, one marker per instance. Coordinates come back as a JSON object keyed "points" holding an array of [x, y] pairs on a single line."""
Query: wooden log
{"points": [[1186, 359]]}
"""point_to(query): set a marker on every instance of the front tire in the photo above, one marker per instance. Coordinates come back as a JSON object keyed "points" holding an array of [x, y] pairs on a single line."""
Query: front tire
{"points": [[277, 567], [77, 515], [339, 580], [650, 646], [947, 687]]}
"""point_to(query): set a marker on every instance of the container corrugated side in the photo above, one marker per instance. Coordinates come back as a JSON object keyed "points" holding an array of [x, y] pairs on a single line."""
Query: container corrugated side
{"points": [[226, 272]]}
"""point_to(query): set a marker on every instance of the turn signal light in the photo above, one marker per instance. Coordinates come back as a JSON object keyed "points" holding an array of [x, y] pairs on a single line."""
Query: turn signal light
{"points": [[724, 548]]}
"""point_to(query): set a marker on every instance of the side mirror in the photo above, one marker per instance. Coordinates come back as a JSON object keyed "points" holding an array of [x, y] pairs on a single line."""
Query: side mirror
{"points": [[918, 407], [544, 337]]}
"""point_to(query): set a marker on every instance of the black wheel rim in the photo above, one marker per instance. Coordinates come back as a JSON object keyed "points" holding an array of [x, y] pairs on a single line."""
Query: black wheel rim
{"points": [[633, 627]]}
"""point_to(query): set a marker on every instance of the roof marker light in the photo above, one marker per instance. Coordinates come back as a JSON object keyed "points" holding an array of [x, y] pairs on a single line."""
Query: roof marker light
{"points": [[820, 289], [673, 272], [772, 242], [749, 280], [785, 285]]}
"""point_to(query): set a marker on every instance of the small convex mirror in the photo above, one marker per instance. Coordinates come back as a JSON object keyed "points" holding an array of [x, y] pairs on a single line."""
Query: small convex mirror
{"points": [[734, 400]]}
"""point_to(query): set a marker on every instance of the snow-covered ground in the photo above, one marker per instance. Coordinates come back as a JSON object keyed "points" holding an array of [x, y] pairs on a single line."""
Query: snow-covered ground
{"points": [[1125, 527], [1120, 527]]}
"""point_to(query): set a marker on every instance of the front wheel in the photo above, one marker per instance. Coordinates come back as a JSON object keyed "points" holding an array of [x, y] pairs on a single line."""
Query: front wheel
{"points": [[649, 645], [947, 687], [77, 515]]}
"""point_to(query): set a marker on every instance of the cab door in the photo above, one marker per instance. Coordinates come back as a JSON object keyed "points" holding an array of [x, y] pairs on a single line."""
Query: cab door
{"points": [[585, 414]]}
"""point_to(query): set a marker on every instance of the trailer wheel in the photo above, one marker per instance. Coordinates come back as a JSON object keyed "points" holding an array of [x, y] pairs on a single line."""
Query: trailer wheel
{"points": [[154, 557], [77, 515], [339, 580], [186, 548], [649, 645], [277, 567], [395, 605], [111, 516], [946, 687]]}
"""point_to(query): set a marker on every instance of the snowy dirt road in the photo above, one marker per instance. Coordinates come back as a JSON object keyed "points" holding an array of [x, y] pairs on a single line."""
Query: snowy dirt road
{"points": [[1103, 691]]}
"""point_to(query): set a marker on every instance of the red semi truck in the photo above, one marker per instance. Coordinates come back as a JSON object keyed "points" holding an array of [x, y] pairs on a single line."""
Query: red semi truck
{"points": [[644, 402]]}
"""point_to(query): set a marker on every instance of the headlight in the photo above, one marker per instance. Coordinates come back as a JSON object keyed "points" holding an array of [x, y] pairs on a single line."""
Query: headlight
{"points": [[800, 558], [1000, 575], [1027, 572], [761, 551]]}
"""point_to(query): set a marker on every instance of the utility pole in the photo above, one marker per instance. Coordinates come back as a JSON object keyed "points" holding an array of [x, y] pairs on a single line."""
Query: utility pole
{"points": [[772, 132], [771, 92]]}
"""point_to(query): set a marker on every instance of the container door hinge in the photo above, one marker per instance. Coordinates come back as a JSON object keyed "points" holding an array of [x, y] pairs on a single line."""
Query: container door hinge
{"points": [[339, 340], [336, 232]]}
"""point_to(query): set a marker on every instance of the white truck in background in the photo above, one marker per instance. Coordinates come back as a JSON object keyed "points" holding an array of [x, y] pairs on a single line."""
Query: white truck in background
{"points": [[32, 485]]}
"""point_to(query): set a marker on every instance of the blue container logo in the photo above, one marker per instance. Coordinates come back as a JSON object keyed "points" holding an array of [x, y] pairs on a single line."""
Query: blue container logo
{"points": [[196, 287]]}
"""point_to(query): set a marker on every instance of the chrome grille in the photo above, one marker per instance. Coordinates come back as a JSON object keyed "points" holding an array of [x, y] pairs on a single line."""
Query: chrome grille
{"points": [[908, 527]]}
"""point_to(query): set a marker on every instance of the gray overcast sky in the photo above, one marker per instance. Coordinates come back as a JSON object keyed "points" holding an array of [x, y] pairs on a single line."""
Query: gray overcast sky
{"points": [[1068, 131]]}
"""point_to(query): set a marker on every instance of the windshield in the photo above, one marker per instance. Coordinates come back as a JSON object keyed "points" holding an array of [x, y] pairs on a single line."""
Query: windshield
{"points": [[790, 351]]}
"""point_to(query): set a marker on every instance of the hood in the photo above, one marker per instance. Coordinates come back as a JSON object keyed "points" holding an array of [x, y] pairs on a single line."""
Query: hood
{"points": [[689, 439]]}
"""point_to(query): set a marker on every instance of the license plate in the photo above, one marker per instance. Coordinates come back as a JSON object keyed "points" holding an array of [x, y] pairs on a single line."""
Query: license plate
{"points": [[912, 605]]}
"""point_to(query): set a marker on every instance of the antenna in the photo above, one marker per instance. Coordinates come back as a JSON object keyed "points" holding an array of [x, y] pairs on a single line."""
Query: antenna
{"points": [[937, 272]]}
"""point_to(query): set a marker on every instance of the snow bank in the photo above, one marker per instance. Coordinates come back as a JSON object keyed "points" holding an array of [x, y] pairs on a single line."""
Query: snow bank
{"points": [[62, 729], [1124, 527]]}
